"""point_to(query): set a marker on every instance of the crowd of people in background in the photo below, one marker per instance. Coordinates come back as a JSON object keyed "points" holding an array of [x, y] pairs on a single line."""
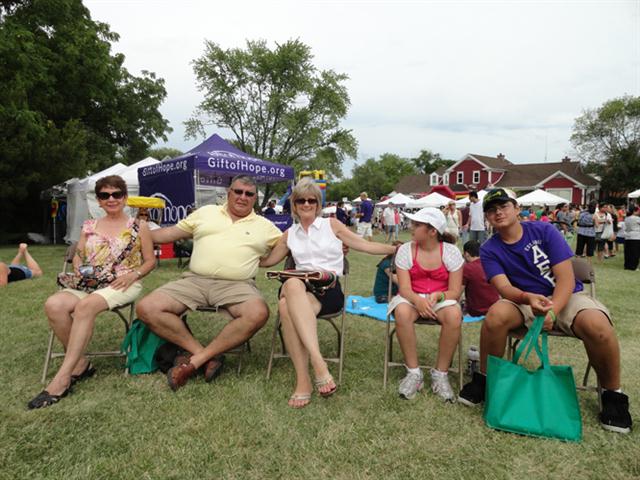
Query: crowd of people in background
{"points": [[599, 230]]}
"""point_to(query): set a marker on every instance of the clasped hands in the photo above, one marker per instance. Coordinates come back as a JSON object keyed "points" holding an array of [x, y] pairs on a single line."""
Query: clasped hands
{"points": [[542, 305], [424, 305]]}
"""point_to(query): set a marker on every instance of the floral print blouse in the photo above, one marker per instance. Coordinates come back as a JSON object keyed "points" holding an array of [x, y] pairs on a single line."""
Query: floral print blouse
{"points": [[102, 250]]}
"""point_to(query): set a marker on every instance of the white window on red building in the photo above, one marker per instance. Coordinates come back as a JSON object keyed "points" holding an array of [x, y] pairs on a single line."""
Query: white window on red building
{"points": [[476, 176], [445, 179], [460, 178], [433, 180]]}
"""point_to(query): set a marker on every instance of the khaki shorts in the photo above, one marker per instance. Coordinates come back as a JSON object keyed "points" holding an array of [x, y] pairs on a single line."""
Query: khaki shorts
{"points": [[114, 298], [197, 291], [577, 302], [364, 229]]}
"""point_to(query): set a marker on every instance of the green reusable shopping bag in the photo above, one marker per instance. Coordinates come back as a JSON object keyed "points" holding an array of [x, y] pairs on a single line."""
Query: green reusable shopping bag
{"points": [[140, 345], [540, 403]]}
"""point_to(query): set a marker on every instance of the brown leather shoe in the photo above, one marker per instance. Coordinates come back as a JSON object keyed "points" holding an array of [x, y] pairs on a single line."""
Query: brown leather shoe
{"points": [[178, 376], [182, 359], [213, 368]]}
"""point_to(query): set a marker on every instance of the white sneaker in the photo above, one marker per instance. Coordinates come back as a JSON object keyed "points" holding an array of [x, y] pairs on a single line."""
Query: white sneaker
{"points": [[411, 385], [441, 387]]}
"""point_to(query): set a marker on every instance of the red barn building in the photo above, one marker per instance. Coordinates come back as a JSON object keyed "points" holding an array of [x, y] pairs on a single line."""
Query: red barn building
{"points": [[476, 172]]}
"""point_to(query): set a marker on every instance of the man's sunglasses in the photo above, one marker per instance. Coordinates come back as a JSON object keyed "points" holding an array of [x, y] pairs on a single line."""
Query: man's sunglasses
{"points": [[240, 192], [302, 201], [118, 194]]}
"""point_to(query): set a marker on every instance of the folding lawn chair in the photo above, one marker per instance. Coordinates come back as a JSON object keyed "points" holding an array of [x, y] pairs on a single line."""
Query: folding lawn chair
{"points": [[340, 331], [584, 272], [391, 331], [121, 311]]}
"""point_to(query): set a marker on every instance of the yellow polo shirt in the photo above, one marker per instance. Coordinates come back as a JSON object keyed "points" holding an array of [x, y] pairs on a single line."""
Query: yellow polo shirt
{"points": [[226, 250]]}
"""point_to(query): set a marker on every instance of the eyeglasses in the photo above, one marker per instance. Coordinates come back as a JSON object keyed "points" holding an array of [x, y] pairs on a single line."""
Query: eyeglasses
{"points": [[302, 201], [118, 194], [501, 208], [246, 193]]}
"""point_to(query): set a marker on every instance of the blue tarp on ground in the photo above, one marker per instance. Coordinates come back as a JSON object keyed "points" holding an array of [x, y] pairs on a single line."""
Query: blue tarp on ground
{"points": [[368, 307]]}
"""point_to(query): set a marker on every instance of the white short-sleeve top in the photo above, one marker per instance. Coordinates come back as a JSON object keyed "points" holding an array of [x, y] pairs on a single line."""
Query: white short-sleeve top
{"points": [[319, 249], [451, 257]]}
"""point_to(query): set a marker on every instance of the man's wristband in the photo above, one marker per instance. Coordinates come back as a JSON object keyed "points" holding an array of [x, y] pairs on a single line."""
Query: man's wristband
{"points": [[553, 316], [441, 298]]}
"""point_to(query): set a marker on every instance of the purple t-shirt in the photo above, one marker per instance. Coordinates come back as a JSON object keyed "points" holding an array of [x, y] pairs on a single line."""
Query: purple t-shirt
{"points": [[527, 263], [366, 209]]}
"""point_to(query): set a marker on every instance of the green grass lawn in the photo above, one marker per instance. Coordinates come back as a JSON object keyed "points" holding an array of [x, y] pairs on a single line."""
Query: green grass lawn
{"points": [[117, 426]]}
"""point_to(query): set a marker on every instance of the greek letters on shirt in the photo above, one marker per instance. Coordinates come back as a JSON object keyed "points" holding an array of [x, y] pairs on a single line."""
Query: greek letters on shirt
{"points": [[541, 261]]}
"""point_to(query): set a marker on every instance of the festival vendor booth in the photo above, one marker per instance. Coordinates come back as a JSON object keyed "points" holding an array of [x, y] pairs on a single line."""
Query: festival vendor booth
{"points": [[540, 198], [201, 176]]}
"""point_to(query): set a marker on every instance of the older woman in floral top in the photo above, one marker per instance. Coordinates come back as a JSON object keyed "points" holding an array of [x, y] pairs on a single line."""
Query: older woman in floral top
{"points": [[118, 251]]}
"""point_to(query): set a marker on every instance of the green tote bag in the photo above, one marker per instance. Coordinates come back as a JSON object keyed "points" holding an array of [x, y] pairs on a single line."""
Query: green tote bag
{"points": [[540, 403], [140, 345]]}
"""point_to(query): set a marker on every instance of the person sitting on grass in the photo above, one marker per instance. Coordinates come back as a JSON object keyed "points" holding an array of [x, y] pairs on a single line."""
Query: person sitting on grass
{"points": [[16, 271], [429, 270], [383, 275], [315, 243], [228, 241], [530, 266], [479, 294]]}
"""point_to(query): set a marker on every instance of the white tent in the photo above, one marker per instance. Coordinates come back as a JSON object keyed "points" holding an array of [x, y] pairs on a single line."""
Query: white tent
{"points": [[434, 199], [540, 198], [634, 194], [398, 199], [81, 201]]}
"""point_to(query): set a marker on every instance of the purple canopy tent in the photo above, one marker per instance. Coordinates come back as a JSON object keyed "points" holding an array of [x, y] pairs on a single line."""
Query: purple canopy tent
{"points": [[203, 173]]}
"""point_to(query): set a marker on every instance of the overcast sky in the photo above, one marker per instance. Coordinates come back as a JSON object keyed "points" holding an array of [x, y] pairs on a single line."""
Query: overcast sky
{"points": [[455, 77]]}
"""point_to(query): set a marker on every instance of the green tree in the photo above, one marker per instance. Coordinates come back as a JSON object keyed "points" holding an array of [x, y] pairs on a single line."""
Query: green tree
{"points": [[608, 140], [162, 152], [67, 105], [378, 177], [276, 103], [428, 162], [338, 190]]}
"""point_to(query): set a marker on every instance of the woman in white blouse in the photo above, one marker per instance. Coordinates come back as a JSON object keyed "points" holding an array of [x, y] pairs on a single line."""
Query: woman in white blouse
{"points": [[316, 244]]}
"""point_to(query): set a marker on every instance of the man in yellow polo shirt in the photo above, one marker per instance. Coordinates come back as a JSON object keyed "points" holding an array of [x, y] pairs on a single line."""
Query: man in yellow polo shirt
{"points": [[228, 242]]}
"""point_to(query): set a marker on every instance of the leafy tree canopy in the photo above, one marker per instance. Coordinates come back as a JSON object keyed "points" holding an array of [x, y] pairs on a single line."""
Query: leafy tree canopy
{"points": [[428, 162], [67, 104], [161, 153], [376, 177], [608, 140], [277, 104]]}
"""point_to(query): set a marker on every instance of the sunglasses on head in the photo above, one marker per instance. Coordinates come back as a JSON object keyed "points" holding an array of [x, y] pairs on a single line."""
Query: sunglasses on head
{"points": [[302, 201], [246, 193], [118, 194]]}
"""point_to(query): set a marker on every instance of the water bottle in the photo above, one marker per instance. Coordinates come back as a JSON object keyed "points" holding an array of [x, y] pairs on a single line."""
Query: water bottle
{"points": [[473, 360]]}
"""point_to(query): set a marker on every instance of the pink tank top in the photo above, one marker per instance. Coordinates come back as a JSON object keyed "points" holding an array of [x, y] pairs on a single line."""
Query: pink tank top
{"points": [[428, 281]]}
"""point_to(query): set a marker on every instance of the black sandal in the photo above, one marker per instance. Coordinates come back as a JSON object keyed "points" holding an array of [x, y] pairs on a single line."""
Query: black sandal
{"points": [[87, 373], [45, 399]]}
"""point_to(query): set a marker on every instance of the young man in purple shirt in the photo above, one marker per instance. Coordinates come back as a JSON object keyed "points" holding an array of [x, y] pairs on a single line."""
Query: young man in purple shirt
{"points": [[530, 265]]}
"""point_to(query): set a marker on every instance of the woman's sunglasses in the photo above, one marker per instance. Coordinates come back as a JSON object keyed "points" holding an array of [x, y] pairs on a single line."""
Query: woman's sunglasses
{"points": [[302, 201], [118, 194]]}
